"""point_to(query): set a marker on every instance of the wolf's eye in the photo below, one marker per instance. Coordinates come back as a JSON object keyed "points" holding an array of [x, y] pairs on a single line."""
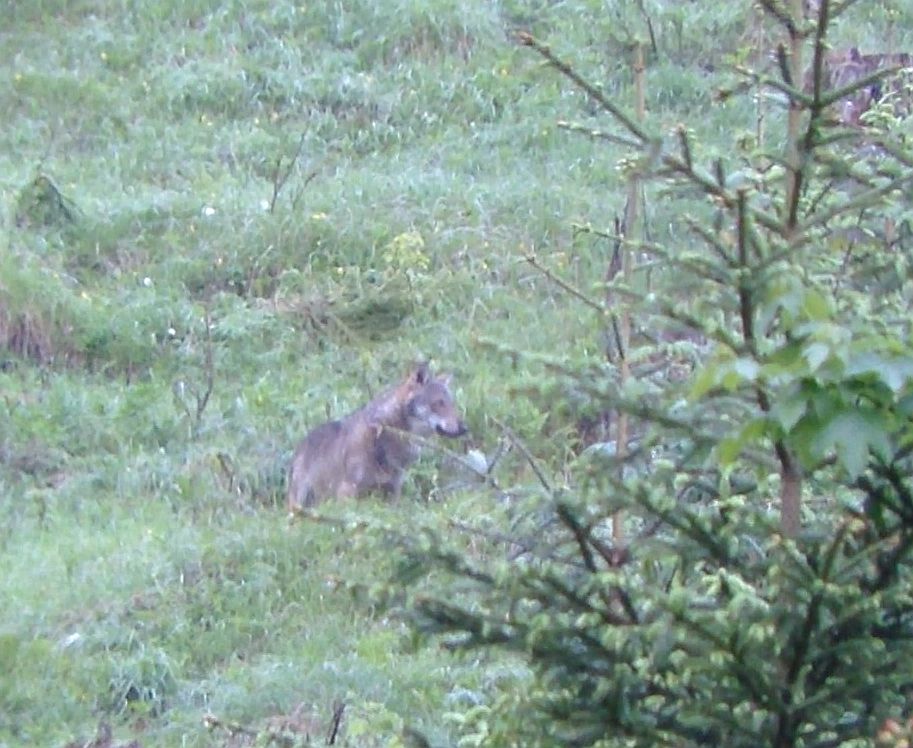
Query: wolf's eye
{"points": [[438, 404]]}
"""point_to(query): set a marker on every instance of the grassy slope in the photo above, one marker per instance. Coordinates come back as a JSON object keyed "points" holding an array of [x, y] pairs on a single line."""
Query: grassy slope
{"points": [[147, 572]]}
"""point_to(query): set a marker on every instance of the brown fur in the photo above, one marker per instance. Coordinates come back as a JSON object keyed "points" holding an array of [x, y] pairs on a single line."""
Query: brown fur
{"points": [[848, 66], [369, 450]]}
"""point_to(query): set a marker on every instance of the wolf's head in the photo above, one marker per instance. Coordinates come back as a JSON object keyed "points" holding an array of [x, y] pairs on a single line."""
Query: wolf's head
{"points": [[430, 407]]}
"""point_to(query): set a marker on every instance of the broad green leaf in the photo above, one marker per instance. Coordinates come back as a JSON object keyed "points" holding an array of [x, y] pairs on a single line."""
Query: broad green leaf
{"points": [[737, 180], [816, 306], [784, 294], [787, 411], [816, 354], [905, 406], [786, 358], [711, 373], [705, 381], [731, 380], [755, 429], [746, 368], [729, 450], [852, 436], [895, 371]]}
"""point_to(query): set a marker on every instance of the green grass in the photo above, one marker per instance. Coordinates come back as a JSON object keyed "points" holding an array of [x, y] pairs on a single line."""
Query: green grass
{"points": [[147, 572]]}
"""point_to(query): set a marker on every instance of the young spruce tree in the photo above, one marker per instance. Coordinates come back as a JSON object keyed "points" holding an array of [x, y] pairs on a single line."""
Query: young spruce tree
{"points": [[761, 592]]}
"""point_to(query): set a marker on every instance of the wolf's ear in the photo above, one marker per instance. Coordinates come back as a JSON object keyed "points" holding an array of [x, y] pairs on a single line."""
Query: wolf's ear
{"points": [[422, 373]]}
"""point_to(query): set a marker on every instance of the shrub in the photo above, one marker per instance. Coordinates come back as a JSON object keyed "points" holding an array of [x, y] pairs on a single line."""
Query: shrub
{"points": [[738, 572]]}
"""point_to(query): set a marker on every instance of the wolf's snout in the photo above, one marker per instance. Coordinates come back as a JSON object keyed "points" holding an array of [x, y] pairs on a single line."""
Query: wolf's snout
{"points": [[460, 430]]}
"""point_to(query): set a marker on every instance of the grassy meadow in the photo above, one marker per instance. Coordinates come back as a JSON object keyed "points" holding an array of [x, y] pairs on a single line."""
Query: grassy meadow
{"points": [[222, 223]]}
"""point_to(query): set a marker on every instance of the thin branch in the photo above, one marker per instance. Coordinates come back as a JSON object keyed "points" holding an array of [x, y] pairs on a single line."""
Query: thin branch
{"points": [[209, 368], [559, 281], [280, 177], [338, 709], [598, 134], [567, 70], [527, 454]]}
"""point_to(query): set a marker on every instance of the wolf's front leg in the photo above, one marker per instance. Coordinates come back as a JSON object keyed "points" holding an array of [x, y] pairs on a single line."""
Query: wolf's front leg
{"points": [[347, 490], [393, 487]]}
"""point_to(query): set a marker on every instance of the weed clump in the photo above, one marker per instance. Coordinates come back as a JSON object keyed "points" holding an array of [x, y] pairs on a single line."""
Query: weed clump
{"points": [[42, 204]]}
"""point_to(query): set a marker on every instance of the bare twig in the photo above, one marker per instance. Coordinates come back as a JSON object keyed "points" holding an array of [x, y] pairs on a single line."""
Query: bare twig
{"points": [[181, 389], [280, 176], [338, 708], [597, 134], [654, 47], [632, 216], [312, 175], [559, 281], [209, 368], [530, 41], [528, 456]]}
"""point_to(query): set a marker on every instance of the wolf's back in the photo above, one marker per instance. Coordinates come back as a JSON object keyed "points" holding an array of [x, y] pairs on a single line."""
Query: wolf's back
{"points": [[318, 463]]}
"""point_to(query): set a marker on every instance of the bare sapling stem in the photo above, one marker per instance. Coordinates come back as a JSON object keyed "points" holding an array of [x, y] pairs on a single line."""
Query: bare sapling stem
{"points": [[632, 215]]}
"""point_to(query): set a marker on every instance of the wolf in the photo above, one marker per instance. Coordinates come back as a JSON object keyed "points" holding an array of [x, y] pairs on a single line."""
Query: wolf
{"points": [[844, 67], [369, 450]]}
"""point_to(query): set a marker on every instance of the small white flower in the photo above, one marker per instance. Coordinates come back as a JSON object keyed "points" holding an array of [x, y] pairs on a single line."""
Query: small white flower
{"points": [[477, 461], [71, 640], [172, 332], [208, 210], [147, 282], [264, 204]]}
